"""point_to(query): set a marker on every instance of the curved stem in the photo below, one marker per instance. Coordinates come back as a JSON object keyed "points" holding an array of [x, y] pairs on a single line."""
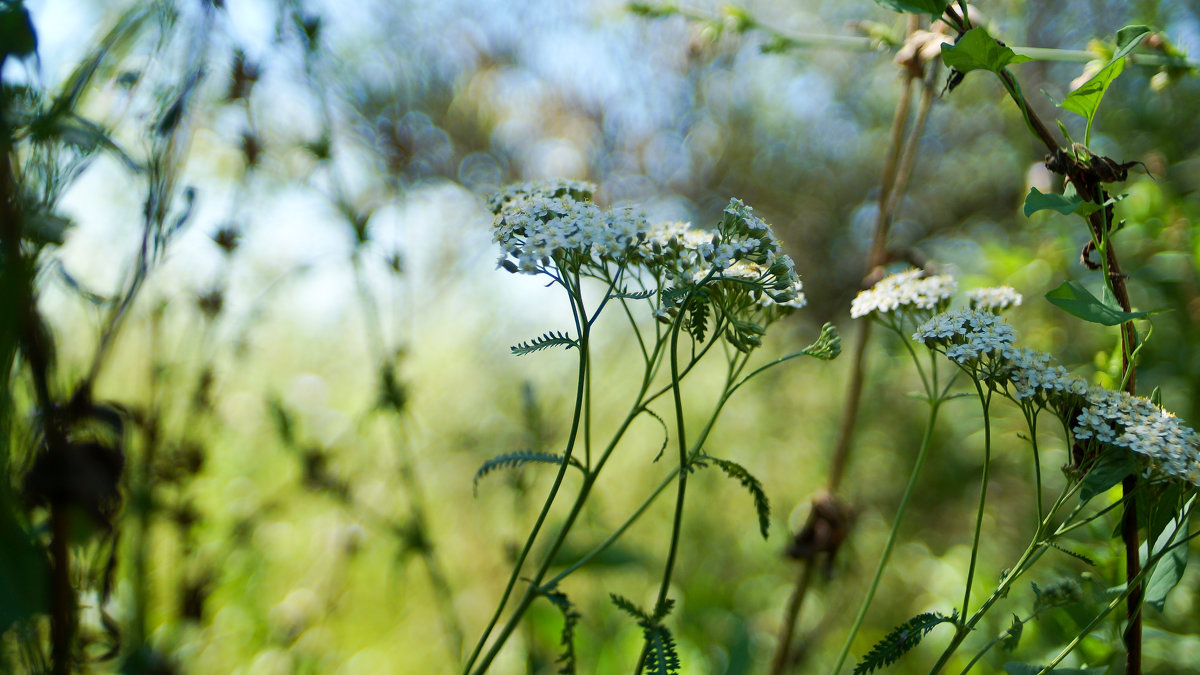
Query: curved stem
{"points": [[934, 404], [985, 401], [585, 330]]}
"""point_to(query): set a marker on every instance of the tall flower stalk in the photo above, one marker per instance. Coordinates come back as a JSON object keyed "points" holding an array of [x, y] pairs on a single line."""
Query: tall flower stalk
{"points": [[683, 291]]}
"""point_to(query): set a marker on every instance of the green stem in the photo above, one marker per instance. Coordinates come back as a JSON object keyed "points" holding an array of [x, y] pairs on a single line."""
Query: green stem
{"points": [[677, 520], [926, 441], [585, 329], [985, 401]]}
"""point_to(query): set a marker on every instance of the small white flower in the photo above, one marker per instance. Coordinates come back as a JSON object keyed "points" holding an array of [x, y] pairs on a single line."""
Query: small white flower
{"points": [[994, 298], [904, 291]]}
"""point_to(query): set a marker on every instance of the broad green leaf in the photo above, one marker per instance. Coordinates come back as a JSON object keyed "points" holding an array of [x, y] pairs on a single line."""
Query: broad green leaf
{"points": [[976, 50], [1085, 100], [931, 7], [1037, 200], [1108, 472], [1077, 301], [1170, 568]]}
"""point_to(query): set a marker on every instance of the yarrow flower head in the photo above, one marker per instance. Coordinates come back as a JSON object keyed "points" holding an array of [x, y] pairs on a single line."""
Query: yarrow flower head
{"points": [[539, 225], [1119, 419], [968, 335], [904, 291], [994, 298]]}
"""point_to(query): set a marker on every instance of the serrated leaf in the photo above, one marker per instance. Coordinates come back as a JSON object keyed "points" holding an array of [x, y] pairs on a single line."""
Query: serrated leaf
{"points": [[545, 341], [1014, 668], [934, 8], [902, 638], [661, 656], [738, 472], [1078, 556], [632, 295], [1077, 301], [976, 50], [666, 433], [1109, 471], [1085, 99], [626, 605], [571, 618], [513, 460]]}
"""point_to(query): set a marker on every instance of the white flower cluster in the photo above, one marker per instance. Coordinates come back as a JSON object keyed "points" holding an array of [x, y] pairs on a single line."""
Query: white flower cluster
{"points": [[1119, 419], [983, 344], [904, 291], [994, 299], [538, 222]]}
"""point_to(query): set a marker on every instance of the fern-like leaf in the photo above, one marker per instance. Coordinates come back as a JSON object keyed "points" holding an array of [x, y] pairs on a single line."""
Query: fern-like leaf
{"points": [[545, 341], [1074, 554], [626, 605], [632, 295], [666, 433], [661, 656], [513, 460], [738, 472], [571, 618], [697, 320], [902, 638]]}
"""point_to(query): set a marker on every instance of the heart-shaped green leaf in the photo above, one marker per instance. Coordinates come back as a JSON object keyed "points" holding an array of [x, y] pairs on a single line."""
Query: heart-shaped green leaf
{"points": [[1085, 99], [976, 50]]}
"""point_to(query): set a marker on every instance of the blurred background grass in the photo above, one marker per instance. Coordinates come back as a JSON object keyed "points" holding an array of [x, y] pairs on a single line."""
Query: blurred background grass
{"points": [[295, 521]]}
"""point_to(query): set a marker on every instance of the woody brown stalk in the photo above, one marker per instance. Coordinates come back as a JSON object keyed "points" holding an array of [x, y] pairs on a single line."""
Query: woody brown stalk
{"points": [[828, 513], [1088, 186]]}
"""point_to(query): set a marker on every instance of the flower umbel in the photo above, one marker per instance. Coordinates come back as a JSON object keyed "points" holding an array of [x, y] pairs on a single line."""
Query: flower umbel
{"points": [[903, 292]]}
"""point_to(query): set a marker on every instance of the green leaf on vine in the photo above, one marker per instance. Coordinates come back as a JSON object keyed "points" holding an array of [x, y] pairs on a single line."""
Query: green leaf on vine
{"points": [[1085, 99], [976, 50], [1077, 301]]}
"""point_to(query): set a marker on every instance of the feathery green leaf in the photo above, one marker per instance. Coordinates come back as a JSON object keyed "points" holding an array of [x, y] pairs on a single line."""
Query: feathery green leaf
{"points": [[547, 340], [513, 460], [571, 618], [902, 638], [736, 471]]}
